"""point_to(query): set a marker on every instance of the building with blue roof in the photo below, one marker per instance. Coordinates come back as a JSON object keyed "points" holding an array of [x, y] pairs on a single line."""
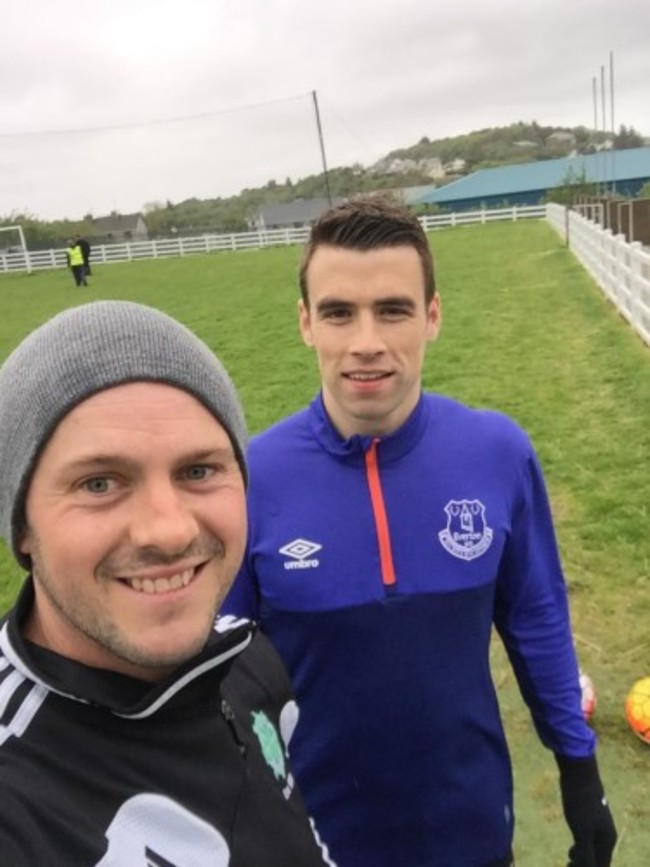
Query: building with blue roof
{"points": [[530, 183]]}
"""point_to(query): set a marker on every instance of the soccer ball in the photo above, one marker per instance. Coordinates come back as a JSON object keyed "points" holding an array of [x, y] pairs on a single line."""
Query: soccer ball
{"points": [[637, 709], [588, 700]]}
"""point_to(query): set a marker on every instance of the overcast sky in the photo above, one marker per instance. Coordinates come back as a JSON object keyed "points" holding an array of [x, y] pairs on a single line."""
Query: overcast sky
{"points": [[110, 106]]}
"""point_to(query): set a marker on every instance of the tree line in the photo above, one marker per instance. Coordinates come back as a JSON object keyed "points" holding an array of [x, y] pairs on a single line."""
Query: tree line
{"points": [[517, 143]]}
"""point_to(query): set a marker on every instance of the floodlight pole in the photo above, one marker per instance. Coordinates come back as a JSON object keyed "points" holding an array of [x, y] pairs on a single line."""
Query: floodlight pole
{"points": [[604, 120], [594, 88], [595, 95], [322, 148], [611, 116]]}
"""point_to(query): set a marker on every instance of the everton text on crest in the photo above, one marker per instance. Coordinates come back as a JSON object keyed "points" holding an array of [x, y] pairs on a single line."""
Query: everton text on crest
{"points": [[467, 534]]}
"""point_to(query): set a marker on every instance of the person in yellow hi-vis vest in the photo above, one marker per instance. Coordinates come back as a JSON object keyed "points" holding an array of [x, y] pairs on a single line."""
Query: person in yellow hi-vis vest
{"points": [[76, 263]]}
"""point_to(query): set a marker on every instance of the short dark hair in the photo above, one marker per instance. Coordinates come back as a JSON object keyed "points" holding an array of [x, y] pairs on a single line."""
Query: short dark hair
{"points": [[369, 222]]}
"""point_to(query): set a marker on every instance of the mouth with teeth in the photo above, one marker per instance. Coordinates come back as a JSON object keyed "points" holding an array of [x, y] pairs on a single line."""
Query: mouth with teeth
{"points": [[155, 586], [370, 376], [370, 380]]}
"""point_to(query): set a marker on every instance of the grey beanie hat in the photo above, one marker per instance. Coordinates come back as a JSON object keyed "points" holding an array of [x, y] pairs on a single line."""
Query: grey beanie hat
{"points": [[85, 350]]}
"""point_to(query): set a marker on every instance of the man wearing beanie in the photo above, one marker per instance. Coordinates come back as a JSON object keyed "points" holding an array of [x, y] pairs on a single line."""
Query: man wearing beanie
{"points": [[136, 726]]}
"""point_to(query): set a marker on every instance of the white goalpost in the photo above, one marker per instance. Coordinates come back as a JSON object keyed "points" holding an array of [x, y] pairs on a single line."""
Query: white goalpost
{"points": [[13, 249]]}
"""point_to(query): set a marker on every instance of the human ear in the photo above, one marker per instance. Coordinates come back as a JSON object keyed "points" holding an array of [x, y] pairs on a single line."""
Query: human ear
{"points": [[304, 322], [434, 317]]}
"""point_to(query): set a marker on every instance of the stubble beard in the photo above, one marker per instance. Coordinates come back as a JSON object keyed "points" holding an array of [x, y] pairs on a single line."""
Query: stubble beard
{"points": [[104, 631]]}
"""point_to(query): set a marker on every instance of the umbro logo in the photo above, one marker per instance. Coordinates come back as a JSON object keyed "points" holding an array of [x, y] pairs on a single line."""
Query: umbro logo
{"points": [[301, 552]]}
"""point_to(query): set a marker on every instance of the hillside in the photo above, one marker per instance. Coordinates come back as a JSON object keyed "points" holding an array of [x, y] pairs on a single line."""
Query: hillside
{"points": [[427, 162], [518, 143]]}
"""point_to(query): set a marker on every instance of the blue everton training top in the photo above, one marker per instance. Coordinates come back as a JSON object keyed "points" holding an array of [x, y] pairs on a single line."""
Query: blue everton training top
{"points": [[377, 568]]}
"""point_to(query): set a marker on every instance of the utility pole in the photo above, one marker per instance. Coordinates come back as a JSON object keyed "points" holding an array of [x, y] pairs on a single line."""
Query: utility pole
{"points": [[611, 115], [594, 87], [322, 148], [604, 119]]}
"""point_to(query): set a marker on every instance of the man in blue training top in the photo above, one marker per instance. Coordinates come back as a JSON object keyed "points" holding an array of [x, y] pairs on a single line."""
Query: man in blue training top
{"points": [[389, 531]]}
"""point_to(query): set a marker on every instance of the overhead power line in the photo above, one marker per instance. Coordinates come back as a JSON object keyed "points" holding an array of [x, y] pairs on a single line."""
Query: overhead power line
{"points": [[150, 123]]}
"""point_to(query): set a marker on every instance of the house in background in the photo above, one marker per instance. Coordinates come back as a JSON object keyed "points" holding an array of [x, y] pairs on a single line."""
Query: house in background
{"points": [[119, 227], [432, 167], [291, 215], [455, 166], [413, 195], [561, 141]]}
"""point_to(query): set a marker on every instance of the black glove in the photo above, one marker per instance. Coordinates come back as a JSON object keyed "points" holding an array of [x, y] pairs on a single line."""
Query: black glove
{"points": [[586, 812]]}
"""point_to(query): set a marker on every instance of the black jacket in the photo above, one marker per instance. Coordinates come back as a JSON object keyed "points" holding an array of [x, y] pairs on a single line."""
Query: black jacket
{"points": [[97, 768]]}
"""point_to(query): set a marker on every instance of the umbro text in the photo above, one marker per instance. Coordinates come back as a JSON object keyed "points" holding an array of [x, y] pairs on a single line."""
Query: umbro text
{"points": [[302, 564]]}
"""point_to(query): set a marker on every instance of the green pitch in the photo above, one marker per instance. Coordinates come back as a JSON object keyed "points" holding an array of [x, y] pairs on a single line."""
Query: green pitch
{"points": [[525, 331]]}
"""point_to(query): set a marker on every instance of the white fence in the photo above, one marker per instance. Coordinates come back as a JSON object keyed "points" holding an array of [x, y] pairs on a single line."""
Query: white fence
{"points": [[39, 260], [442, 221], [621, 269]]}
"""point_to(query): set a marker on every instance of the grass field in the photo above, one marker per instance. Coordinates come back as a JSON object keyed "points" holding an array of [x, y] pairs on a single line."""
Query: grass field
{"points": [[524, 331]]}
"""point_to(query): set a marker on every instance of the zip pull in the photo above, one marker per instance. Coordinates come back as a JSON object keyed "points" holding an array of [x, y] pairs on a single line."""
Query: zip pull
{"points": [[229, 715]]}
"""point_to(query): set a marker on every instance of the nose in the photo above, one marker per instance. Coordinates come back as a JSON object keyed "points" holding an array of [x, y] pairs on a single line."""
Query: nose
{"points": [[162, 519], [367, 339]]}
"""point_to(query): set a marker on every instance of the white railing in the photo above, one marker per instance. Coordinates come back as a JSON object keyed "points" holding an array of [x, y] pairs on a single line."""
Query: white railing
{"points": [[442, 221], [621, 269], [39, 260]]}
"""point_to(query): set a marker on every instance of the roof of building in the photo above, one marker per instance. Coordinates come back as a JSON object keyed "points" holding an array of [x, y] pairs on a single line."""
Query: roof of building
{"points": [[117, 222], [298, 211], [413, 195], [606, 166]]}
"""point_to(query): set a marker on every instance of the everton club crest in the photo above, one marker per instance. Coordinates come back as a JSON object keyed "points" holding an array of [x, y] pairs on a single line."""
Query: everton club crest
{"points": [[467, 534]]}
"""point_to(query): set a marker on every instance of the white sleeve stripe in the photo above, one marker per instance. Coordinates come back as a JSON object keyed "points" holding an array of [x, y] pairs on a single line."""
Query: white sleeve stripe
{"points": [[25, 713], [7, 688]]}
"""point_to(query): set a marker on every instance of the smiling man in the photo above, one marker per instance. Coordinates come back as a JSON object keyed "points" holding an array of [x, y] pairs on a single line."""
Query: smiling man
{"points": [[138, 487], [390, 530], [136, 727]]}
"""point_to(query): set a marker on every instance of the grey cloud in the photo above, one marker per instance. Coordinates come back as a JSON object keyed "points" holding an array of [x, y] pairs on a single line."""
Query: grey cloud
{"points": [[387, 72]]}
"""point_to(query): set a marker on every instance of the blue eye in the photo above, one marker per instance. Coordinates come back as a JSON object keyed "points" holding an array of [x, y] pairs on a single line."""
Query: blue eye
{"points": [[97, 485], [197, 473]]}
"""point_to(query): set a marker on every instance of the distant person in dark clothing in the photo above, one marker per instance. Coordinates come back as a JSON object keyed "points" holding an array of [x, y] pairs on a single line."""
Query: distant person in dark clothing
{"points": [[84, 246], [76, 263]]}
